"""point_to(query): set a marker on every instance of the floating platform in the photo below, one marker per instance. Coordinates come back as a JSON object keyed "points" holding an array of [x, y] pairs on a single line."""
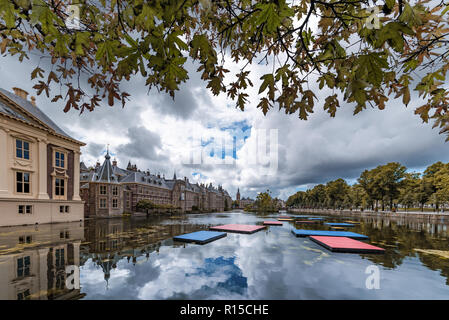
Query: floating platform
{"points": [[238, 228], [353, 222], [339, 224], [344, 244], [312, 218], [286, 219], [272, 223], [200, 237], [307, 233], [306, 221], [337, 228]]}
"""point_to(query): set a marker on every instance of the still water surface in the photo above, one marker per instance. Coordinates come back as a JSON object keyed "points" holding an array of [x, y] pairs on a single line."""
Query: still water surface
{"points": [[136, 258]]}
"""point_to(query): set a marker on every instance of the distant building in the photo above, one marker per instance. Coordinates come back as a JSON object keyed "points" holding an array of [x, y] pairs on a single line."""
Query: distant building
{"points": [[243, 202], [39, 165], [109, 190], [246, 202]]}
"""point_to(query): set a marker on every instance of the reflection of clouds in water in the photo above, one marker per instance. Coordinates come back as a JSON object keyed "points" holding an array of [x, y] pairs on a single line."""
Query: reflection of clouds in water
{"points": [[270, 264], [194, 277]]}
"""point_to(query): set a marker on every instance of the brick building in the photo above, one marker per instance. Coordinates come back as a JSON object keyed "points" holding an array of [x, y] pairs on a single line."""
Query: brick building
{"points": [[109, 190]]}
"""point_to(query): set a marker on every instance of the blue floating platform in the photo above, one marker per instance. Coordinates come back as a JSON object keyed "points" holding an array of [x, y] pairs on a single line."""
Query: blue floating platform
{"points": [[312, 218], [200, 237], [307, 233], [339, 224]]}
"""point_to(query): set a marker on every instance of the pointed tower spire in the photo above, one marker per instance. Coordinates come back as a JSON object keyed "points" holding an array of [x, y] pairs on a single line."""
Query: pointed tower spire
{"points": [[107, 156]]}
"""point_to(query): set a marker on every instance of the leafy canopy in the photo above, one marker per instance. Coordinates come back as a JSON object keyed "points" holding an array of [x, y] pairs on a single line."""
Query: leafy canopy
{"points": [[306, 40]]}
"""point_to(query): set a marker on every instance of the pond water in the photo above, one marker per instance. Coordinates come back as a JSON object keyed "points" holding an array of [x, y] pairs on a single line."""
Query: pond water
{"points": [[136, 258]]}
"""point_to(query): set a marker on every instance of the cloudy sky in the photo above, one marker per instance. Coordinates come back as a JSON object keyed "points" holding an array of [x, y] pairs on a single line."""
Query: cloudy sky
{"points": [[205, 138]]}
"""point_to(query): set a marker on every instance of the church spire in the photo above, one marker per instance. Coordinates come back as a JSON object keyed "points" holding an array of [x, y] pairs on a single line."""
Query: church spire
{"points": [[107, 153]]}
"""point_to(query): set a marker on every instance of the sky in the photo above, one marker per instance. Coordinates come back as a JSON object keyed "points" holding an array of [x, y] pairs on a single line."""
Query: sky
{"points": [[206, 139]]}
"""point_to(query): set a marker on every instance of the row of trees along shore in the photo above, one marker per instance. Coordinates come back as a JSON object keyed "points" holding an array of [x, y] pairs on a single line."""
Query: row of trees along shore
{"points": [[387, 186]]}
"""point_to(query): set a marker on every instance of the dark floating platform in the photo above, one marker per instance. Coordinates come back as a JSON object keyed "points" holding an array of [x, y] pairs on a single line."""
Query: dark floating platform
{"points": [[200, 237], [306, 221], [345, 244], [339, 224], [272, 223], [307, 233], [238, 228]]}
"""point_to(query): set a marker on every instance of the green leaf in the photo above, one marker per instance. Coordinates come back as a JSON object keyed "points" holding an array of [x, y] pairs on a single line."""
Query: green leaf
{"points": [[8, 13]]}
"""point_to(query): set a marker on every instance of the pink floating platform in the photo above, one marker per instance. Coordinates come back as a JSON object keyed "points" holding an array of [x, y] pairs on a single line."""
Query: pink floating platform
{"points": [[239, 228], [344, 244], [272, 223], [284, 217]]}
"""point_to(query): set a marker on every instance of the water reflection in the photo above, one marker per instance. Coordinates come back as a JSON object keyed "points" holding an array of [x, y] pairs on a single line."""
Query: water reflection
{"points": [[137, 259], [33, 261]]}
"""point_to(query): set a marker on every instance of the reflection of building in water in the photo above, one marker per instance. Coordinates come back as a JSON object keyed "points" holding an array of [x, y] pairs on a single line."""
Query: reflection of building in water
{"points": [[109, 241], [33, 265]]}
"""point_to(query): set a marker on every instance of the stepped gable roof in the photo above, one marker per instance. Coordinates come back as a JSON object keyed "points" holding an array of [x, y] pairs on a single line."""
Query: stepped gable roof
{"points": [[30, 114]]}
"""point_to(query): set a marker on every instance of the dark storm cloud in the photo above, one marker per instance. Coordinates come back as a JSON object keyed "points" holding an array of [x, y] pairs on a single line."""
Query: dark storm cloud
{"points": [[143, 144], [94, 149]]}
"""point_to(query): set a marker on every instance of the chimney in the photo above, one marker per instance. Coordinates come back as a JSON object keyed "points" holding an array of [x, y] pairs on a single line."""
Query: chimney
{"points": [[20, 93], [33, 100]]}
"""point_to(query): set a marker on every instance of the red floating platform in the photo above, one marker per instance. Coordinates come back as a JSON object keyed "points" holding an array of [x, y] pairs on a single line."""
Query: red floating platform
{"points": [[272, 223], [239, 228], [344, 244]]}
